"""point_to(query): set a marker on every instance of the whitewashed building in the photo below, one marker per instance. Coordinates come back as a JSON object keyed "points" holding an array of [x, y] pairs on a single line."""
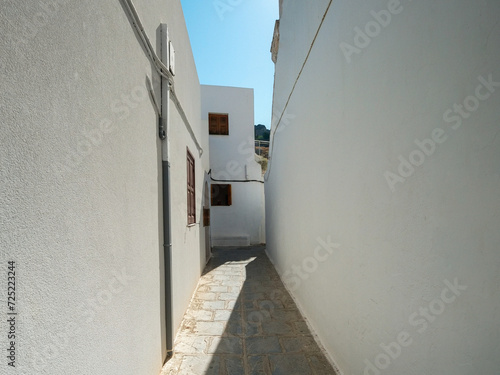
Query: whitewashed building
{"points": [[237, 191], [382, 194], [83, 209]]}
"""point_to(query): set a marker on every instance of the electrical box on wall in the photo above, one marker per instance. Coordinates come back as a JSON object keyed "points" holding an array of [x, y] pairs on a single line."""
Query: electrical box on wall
{"points": [[168, 51], [165, 45], [171, 58]]}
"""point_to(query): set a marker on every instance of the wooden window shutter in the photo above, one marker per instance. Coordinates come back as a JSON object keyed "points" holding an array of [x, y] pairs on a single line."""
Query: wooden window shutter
{"points": [[223, 125], [213, 123], [218, 124], [191, 198], [229, 195]]}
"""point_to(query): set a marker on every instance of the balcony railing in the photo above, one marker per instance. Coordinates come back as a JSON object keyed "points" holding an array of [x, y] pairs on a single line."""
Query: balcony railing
{"points": [[262, 148]]}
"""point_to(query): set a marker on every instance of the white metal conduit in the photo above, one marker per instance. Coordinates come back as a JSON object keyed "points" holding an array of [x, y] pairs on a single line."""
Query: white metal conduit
{"points": [[160, 67]]}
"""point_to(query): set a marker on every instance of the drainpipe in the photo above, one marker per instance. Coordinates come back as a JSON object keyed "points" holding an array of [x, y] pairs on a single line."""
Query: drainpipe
{"points": [[167, 237]]}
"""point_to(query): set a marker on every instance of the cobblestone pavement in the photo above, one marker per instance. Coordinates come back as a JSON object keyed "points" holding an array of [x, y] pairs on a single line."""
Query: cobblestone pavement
{"points": [[242, 320]]}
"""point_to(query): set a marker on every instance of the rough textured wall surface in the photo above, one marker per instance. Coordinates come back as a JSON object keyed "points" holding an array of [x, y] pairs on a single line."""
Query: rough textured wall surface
{"points": [[188, 242], [80, 193], [232, 157], [382, 193]]}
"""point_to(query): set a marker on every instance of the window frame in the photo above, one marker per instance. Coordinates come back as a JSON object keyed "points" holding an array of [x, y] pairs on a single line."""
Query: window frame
{"points": [[206, 217], [228, 201], [191, 188], [221, 125]]}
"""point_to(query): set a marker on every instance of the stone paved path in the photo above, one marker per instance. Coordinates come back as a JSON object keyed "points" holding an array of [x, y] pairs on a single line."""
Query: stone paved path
{"points": [[243, 321]]}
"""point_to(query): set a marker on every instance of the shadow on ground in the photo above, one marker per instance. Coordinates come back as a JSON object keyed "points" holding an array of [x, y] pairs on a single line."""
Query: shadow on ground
{"points": [[243, 321]]}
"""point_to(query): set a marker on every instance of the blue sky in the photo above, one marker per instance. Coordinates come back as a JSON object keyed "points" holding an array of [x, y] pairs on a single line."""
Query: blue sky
{"points": [[231, 40]]}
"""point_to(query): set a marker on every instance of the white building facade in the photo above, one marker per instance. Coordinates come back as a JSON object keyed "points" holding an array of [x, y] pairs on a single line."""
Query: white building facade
{"points": [[237, 192], [82, 204], [382, 194]]}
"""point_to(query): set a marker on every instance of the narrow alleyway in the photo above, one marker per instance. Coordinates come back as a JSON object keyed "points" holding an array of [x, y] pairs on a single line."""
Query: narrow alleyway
{"points": [[243, 321]]}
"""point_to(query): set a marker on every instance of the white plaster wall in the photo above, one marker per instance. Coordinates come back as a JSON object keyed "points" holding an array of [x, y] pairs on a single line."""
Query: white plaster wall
{"points": [[347, 124], [80, 197], [187, 241], [242, 223], [232, 157]]}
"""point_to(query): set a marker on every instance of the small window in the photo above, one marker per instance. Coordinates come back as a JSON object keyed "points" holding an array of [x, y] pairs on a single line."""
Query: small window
{"points": [[206, 217], [191, 199], [218, 124], [221, 195]]}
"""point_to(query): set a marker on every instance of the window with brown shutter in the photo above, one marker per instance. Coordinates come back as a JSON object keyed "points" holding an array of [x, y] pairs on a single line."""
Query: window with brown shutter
{"points": [[191, 198], [218, 124], [221, 195]]}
